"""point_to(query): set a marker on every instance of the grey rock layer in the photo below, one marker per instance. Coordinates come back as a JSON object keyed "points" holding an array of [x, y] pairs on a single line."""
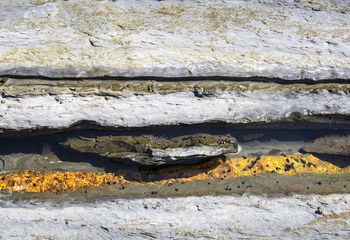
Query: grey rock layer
{"points": [[184, 107], [80, 38]]}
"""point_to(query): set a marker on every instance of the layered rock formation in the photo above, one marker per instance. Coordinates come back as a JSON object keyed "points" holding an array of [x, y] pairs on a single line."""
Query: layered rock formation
{"points": [[231, 40], [133, 99]]}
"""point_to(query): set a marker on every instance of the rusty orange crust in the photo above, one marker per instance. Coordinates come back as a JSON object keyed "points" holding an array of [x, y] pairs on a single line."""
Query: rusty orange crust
{"points": [[56, 181]]}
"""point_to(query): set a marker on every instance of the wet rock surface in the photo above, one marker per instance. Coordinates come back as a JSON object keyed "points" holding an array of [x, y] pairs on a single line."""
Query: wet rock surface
{"points": [[61, 161], [47, 151], [153, 150]]}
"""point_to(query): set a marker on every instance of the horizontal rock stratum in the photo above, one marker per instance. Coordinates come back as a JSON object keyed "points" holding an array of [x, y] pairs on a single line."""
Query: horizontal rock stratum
{"points": [[285, 39], [115, 104]]}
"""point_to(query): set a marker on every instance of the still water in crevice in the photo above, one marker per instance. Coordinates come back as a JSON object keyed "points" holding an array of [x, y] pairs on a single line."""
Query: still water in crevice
{"points": [[47, 152]]}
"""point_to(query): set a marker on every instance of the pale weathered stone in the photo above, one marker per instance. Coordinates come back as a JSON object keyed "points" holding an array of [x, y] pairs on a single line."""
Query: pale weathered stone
{"points": [[80, 38], [210, 217], [182, 107]]}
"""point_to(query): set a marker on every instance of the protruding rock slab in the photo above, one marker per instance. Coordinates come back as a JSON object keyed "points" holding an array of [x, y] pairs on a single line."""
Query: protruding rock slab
{"points": [[337, 145], [152, 150], [86, 38]]}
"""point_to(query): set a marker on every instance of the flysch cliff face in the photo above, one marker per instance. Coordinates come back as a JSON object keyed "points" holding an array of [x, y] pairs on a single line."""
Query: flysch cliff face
{"points": [[178, 100], [285, 39]]}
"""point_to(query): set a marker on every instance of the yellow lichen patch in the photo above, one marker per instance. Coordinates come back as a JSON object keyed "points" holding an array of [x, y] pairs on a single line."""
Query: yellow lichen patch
{"points": [[55, 181], [284, 164], [36, 181]]}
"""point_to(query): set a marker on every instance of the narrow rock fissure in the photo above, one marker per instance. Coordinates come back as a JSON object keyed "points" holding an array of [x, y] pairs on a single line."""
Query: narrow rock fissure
{"points": [[182, 79], [295, 121]]}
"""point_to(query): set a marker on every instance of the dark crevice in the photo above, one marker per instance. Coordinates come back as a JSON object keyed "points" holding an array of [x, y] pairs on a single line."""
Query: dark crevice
{"points": [[257, 140], [294, 122], [93, 44], [179, 79]]}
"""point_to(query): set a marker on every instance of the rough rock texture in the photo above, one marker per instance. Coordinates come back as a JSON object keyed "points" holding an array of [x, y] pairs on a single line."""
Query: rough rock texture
{"points": [[339, 145], [82, 38], [139, 109], [223, 217], [152, 150]]}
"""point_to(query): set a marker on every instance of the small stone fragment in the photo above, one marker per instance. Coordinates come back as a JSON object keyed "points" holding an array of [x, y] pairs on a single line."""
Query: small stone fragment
{"points": [[336, 145], [153, 150]]}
